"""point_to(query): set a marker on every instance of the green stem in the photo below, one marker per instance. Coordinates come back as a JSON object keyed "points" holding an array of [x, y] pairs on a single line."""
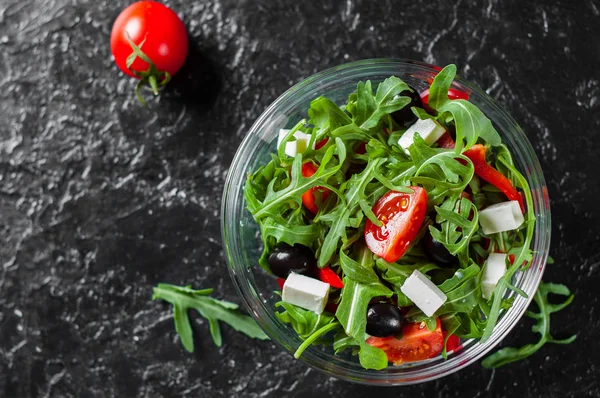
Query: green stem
{"points": [[313, 337], [153, 84]]}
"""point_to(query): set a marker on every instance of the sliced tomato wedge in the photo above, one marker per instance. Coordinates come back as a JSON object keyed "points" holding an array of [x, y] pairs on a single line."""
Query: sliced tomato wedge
{"points": [[309, 200], [417, 343], [402, 215]]}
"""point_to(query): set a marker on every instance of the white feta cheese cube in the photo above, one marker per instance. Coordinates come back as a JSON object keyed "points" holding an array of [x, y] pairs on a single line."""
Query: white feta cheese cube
{"points": [[428, 129], [423, 292], [299, 145], [501, 217], [305, 292], [493, 270]]}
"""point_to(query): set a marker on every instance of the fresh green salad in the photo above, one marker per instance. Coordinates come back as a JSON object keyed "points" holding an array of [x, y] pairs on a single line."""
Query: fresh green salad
{"points": [[395, 222]]}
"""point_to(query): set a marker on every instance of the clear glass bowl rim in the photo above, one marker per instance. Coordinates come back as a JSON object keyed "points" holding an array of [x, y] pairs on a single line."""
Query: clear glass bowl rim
{"points": [[241, 274]]}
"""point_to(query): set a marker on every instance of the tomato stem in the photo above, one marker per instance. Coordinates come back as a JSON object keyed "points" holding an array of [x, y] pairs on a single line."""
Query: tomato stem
{"points": [[153, 84], [152, 77]]}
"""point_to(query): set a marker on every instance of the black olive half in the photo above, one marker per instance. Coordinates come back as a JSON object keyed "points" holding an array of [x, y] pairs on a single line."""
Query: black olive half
{"points": [[285, 259], [437, 252], [405, 116], [384, 319]]}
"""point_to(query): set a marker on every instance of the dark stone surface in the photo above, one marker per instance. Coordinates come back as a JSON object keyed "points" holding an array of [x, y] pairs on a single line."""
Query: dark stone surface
{"points": [[101, 199]]}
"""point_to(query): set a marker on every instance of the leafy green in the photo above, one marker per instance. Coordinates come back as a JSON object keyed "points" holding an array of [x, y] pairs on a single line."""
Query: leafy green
{"points": [[340, 217], [511, 354], [456, 227], [438, 91], [521, 254], [370, 109], [185, 298], [304, 322], [470, 122], [274, 201], [313, 337], [352, 312], [441, 172], [372, 357]]}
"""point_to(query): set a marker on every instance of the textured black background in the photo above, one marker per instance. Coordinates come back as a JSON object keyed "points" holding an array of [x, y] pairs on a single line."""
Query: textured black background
{"points": [[101, 199]]}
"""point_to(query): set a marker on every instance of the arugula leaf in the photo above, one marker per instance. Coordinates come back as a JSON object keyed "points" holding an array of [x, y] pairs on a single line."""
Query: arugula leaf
{"points": [[361, 285], [522, 254], [511, 354], [457, 229], [293, 230], [356, 271], [372, 357], [370, 109], [442, 172], [421, 113], [470, 123], [438, 91], [185, 298], [352, 311], [277, 200], [340, 216], [324, 114], [304, 322]]}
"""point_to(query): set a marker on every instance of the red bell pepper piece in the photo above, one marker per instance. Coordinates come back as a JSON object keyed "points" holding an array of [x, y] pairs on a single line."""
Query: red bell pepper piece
{"points": [[453, 343], [321, 143], [280, 282], [327, 275], [308, 197], [453, 94], [511, 259], [477, 155]]}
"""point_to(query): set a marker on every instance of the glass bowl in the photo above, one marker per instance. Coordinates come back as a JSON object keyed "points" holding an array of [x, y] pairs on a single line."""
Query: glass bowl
{"points": [[241, 235]]}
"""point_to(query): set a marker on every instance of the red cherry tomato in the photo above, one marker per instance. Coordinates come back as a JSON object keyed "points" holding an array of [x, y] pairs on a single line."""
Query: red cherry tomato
{"points": [[402, 215], [417, 343], [327, 275], [308, 198], [159, 33]]}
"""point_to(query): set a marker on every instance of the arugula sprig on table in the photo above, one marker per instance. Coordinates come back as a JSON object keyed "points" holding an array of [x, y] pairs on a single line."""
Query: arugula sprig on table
{"points": [[185, 298], [507, 355]]}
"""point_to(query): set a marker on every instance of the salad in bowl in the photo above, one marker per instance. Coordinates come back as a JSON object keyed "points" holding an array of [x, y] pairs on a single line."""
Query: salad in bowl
{"points": [[386, 222]]}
